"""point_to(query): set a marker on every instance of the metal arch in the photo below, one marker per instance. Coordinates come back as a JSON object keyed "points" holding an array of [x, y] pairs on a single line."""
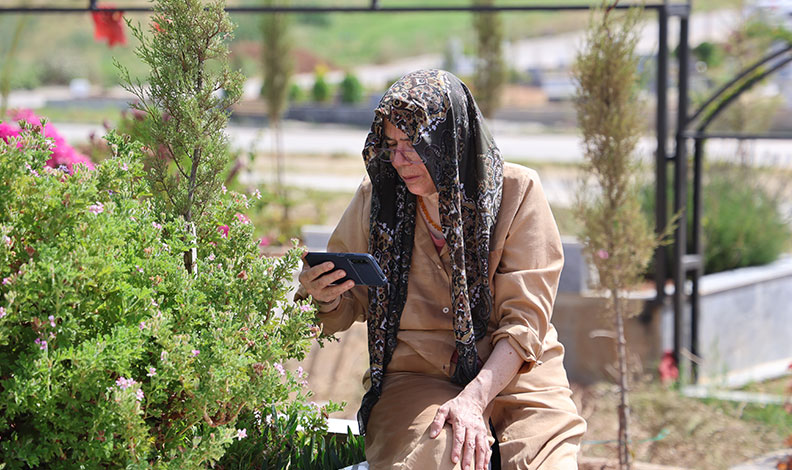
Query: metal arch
{"points": [[693, 263], [742, 89], [747, 71]]}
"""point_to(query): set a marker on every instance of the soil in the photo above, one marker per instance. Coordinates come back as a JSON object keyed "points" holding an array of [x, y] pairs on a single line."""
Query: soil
{"points": [[696, 436]]}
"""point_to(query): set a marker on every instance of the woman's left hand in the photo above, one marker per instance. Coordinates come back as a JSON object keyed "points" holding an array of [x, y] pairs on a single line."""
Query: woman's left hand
{"points": [[466, 417]]}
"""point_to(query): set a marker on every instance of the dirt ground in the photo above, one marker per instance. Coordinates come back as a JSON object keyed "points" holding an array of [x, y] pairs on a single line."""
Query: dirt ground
{"points": [[687, 432]]}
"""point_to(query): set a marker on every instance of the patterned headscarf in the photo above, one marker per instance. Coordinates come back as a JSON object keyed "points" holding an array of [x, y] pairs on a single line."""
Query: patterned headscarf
{"points": [[438, 114]]}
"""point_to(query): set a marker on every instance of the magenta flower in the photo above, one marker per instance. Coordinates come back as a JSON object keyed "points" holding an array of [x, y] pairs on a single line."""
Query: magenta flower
{"points": [[223, 230], [300, 372], [242, 218], [152, 372], [51, 320], [97, 208], [139, 394], [264, 241], [142, 325], [2, 312], [241, 434], [195, 352], [6, 281], [306, 308], [602, 254], [41, 343], [124, 167], [156, 226], [279, 368]]}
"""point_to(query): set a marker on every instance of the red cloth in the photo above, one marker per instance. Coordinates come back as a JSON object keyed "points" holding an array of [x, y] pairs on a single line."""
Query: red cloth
{"points": [[109, 25]]}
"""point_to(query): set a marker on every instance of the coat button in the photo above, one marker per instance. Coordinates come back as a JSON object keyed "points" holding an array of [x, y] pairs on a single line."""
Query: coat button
{"points": [[445, 309]]}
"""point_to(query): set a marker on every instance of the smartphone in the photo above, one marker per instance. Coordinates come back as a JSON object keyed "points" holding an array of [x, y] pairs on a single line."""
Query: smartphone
{"points": [[359, 267]]}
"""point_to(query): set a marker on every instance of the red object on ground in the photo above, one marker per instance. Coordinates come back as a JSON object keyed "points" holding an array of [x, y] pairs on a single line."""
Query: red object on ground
{"points": [[109, 25], [668, 369]]}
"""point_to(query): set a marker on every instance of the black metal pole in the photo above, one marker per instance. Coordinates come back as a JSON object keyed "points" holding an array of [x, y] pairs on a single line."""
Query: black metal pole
{"points": [[680, 192], [661, 216], [695, 299]]}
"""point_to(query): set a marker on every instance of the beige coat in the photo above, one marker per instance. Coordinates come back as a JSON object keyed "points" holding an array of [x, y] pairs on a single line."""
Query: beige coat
{"points": [[534, 417]]}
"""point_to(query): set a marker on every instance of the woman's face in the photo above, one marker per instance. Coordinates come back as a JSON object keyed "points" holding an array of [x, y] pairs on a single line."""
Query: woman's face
{"points": [[414, 175]]}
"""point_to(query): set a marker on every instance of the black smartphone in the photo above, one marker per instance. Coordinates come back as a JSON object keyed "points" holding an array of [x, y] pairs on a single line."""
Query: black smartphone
{"points": [[359, 267]]}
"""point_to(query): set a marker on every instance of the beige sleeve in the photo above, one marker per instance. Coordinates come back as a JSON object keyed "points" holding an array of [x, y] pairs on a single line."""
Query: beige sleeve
{"points": [[526, 279], [350, 236]]}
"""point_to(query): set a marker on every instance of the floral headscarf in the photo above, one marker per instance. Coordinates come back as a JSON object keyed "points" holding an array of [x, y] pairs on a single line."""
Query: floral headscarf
{"points": [[438, 114]]}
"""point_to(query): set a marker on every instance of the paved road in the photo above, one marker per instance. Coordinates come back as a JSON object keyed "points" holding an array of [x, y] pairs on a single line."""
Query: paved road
{"points": [[515, 142]]}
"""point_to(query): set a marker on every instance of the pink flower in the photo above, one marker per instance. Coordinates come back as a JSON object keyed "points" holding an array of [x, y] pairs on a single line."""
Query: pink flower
{"points": [[152, 372], [6, 281], [306, 308], [163, 356], [124, 383], [97, 208], [41, 343], [156, 226], [279, 368], [196, 352], [139, 269], [142, 325], [223, 230], [602, 254], [124, 167], [211, 256], [51, 320], [223, 188], [257, 194], [31, 170], [8, 241], [264, 241], [300, 372], [139, 394], [241, 434], [2, 312], [242, 218]]}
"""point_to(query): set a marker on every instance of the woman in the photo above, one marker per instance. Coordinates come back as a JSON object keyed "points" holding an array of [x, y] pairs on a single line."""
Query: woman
{"points": [[461, 335]]}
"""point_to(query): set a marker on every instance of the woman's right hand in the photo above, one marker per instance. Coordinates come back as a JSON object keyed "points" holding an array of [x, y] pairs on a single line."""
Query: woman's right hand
{"points": [[318, 281]]}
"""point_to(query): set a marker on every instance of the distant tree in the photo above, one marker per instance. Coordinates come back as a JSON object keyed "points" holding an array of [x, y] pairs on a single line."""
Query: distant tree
{"points": [[7, 67], [351, 89], [278, 68], [490, 75], [321, 89]]}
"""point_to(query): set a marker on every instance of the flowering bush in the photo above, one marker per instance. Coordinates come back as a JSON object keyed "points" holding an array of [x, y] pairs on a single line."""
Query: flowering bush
{"points": [[111, 353], [62, 155]]}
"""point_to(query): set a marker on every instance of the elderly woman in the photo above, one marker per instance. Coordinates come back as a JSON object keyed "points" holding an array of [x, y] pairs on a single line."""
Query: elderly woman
{"points": [[461, 348]]}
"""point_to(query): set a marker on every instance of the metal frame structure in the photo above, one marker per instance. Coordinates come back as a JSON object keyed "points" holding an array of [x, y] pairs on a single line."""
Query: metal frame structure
{"points": [[683, 263]]}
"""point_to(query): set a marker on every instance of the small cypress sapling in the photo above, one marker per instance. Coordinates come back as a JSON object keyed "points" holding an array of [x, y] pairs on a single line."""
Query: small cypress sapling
{"points": [[190, 90], [615, 235]]}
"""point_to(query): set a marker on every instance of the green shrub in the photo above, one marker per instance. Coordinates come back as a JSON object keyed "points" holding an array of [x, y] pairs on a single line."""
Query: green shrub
{"points": [[741, 222], [321, 89], [111, 354], [351, 89]]}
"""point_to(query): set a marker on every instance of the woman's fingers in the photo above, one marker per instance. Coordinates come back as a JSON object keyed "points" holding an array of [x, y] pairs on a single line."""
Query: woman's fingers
{"points": [[482, 451], [459, 442], [438, 422], [318, 282]]}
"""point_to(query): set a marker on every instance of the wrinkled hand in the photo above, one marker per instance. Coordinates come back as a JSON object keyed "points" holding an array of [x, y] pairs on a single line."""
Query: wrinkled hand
{"points": [[318, 281], [469, 429]]}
